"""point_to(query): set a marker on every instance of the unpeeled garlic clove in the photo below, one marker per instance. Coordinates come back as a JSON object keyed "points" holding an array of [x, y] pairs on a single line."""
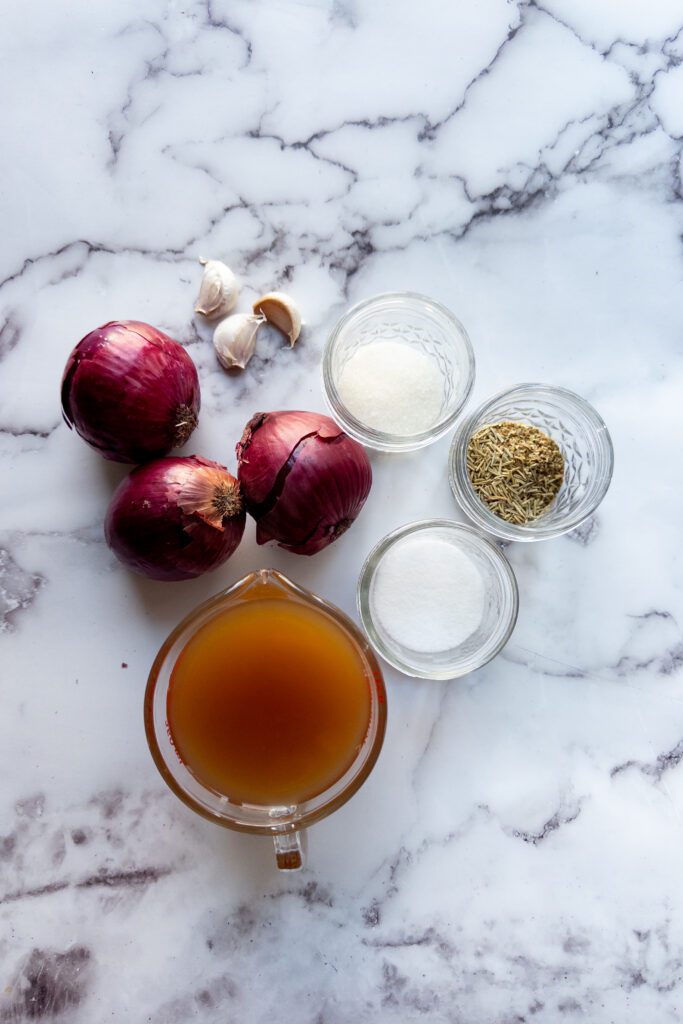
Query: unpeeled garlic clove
{"points": [[218, 292], [282, 312], [235, 339]]}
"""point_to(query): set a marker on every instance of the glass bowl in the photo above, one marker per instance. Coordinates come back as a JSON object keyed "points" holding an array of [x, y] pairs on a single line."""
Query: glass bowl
{"points": [[414, 320], [582, 437], [500, 607]]}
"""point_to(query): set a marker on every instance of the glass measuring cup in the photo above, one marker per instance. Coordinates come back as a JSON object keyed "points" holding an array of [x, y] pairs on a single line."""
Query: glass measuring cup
{"points": [[283, 823]]}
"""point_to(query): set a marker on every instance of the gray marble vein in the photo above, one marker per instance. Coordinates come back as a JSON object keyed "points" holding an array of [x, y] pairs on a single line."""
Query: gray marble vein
{"points": [[514, 857]]}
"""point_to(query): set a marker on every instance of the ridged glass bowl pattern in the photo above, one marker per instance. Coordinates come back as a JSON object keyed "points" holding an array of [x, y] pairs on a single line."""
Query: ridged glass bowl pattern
{"points": [[500, 604], [415, 320], [582, 437]]}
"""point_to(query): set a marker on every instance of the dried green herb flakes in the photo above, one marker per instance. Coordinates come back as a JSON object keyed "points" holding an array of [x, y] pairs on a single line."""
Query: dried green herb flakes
{"points": [[515, 468]]}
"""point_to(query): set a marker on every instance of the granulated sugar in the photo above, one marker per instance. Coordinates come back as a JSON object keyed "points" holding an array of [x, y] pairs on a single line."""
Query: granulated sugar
{"points": [[392, 387], [428, 594]]}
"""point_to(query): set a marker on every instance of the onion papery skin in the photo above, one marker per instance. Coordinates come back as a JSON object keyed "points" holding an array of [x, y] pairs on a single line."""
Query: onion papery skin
{"points": [[165, 519], [130, 391], [303, 479]]}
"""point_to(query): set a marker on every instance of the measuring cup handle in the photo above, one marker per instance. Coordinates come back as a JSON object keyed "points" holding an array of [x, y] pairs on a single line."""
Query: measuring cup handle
{"points": [[288, 853]]}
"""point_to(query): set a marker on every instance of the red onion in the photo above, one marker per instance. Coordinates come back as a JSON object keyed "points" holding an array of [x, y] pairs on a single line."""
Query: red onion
{"points": [[130, 391], [175, 518], [304, 480]]}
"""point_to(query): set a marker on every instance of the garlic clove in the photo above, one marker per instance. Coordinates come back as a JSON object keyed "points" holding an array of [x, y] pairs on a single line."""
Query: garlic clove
{"points": [[218, 292], [235, 339], [282, 312]]}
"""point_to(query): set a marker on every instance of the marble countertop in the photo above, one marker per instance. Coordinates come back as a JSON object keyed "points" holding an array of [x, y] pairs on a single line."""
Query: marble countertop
{"points": [[515, 855]]}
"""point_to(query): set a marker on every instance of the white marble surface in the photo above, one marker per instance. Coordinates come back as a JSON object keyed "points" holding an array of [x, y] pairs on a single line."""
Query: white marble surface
{"points": [[515, 856]]}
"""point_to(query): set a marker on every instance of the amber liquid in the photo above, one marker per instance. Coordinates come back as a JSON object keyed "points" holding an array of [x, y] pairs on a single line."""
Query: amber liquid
{"points": [[269, 702]]}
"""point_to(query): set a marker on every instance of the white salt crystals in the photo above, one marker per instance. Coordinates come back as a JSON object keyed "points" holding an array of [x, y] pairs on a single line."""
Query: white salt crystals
{"points": [[427, 594], [392, 387]]}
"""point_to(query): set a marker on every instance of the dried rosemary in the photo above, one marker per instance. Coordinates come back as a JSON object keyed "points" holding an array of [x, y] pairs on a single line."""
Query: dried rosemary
{"points": [[515, 468]]}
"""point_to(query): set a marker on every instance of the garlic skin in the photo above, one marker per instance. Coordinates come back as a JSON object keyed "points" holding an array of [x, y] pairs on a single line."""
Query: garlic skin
{"points": [[282, 312], [235, 339], [218, 292]]}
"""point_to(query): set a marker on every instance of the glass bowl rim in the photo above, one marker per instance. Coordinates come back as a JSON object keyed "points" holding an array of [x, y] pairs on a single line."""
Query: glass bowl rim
{"points": [[386, 440], [373, 561], [470, 502]]}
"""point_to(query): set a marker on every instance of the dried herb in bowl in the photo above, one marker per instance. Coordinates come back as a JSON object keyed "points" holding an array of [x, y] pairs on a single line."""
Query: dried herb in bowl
{"points": [[516, 469]]}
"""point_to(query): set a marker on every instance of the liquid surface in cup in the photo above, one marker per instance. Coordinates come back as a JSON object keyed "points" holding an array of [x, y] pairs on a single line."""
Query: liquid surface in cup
{"points": [[269, 702]]}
